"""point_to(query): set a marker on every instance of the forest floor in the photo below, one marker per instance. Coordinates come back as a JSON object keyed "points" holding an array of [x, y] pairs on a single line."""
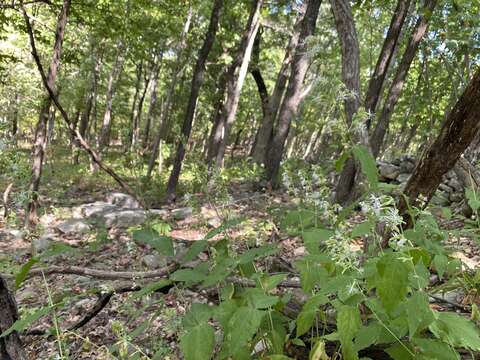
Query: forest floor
{"points": [[149, 325]]}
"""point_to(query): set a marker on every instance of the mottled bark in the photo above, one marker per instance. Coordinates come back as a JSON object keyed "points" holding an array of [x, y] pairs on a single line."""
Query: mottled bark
{"points": [[41, 128], [293, 94], [456, 134], [152, 107], [235, 78], [10, 346], [133, 112], [197, 81], [395, 90]]}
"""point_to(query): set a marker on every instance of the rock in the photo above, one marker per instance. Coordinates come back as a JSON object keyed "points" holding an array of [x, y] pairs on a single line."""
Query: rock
{"points": [[456, 197], [15, 234], [440, 199], [214, 222], [455, 184], [445, 188], [182, 213], [161, 213], [388, 171], [93, 210], [180, 250], [124, 218], [403, 178], [74, 226], [407, 167], [43, 242], [124, 201], [407, 158], [454, 296], [154, 261]]}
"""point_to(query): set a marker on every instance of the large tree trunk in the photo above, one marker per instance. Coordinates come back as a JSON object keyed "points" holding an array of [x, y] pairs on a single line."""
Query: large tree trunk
{"points": [[10, 346], [456, 134], [41, 128], [396, 87], [264, 133], [167, 105], [197, 81], [345, 188], [293, 94], [104, 140], [235, 78]]}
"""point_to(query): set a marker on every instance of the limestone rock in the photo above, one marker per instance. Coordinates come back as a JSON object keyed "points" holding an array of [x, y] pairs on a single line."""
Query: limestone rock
{"points": [[93, 210], [124, 201], [388, 171], [403, 178], [43, 242], [182, 213], [74, 226], [154, 261], [124, 218]]}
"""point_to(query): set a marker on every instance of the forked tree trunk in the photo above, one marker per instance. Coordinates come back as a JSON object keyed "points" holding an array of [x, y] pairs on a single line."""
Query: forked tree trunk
{"points": [[104, 140], [456, 134], [235, 78], [293, 94], [197, 82], [396, 87], [10, 346], [41, 128]]}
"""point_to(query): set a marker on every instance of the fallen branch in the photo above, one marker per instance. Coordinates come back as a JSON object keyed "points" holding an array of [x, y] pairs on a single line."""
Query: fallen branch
{"points": [[71, 127], [6, 194]]}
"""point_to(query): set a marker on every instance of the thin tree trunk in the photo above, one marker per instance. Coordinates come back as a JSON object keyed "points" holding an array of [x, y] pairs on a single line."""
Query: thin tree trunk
{"points": [[235, 78], [293, 94], [164, 119], [152, 111], [133, 113], [396, 87], [456, 134], [40, 131], [104, 140], [197, 81], [265, 130], [14, 128], [138, 117], [10, 346]]}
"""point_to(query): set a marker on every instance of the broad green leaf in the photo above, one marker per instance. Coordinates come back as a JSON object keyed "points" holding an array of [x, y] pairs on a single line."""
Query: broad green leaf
{"points": [[348, 324], [189, 276], [368, 164], [197, 315], [318, 352], [341, 160], [198, 342], [314, 237], [151, 288], [308, 314], [269, 283], [226, 225], [419, 313], [435, 349], [57, 248], [163, 244], [392, 280], [22, 274], [258, 299], [400, 351], [473, 200], [440, 262], [456, 330], [311, 274], [196, 248], [362, 229], [26, 321], [367, 335], [257, 253]]}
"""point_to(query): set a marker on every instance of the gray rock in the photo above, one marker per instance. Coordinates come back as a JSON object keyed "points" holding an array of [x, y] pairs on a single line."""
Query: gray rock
{"points": [[403, 178], [407, 167], [180, 250], [456, 197], [440, 199], [74, 226], [388, 171], [43, 242], [124, 201], [15, 234], [445, 188], [407, 158], [124, 218], [214, 222], [455, 184], [94, 210], [157, 213], [182, 213], [154, 261]]}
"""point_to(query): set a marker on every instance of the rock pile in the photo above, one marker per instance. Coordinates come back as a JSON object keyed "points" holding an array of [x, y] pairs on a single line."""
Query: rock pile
{"points": [[450, 192]]}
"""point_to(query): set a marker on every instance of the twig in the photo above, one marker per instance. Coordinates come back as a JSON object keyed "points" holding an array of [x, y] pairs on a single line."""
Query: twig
{"points": [[451, 303]]}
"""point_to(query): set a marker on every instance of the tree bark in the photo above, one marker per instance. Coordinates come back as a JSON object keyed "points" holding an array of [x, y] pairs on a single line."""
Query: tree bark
{"points": [[262, 138], [41, 128], [456, 134], [197, 81], [104, 140], [235, 78], [10, 346], [293, 94], [396, 87], [133, 113], [164, 119], [152, 110]]}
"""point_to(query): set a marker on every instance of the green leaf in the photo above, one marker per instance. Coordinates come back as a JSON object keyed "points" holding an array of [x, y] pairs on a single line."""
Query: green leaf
{"points": [[24, 322], [440, 262], [348, 324], [258, 299], [435, 349], [362, 229], [189, 276], [456, 330], [163, 244], [318, 352], [311, 274], [257, 253], [400, 351], [196, 248], [269, 283], [57, 248], [314, 237], [419, 313], [198, 342], [367, 335], [22, 274], [392, 280], [199, 314], [473, 200], [226, 225], [151, 288], [308, 314], [368, 164], [341, 160]]}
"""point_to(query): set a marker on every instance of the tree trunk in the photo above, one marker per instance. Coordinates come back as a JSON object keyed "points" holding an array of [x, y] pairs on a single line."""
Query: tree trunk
{"points": [[41, 128], [138, 117], [197, 81], [396, 87], [11, 345], [133, 113], [257, 74], [456, 134], [164, 118], [265, 130], [104, 140], [235, 78], [152, 111], [14, 128], [293, 94]]}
